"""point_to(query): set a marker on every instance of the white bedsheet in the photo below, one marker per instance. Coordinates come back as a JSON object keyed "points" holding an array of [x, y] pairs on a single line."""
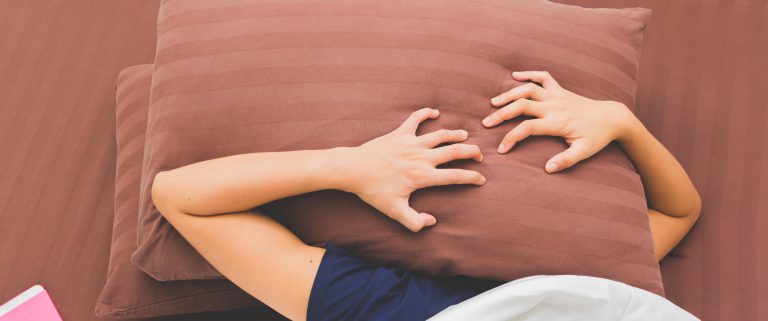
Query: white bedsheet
{"points": [[566, 298]]}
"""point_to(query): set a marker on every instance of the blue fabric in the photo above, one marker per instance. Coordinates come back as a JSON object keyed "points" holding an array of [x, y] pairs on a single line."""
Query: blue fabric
{"points": [[346, 288]]}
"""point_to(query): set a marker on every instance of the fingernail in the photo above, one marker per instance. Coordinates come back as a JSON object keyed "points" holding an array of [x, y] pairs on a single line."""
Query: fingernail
{"points": [[495, 100], [481, 158], [464, 133], [487, 121], [515, 74], [482, 180], [502, 149], [551, 167]]}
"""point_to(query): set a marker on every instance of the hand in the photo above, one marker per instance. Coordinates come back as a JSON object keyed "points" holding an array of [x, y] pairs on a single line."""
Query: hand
{"points": [[586, 125], [386, 170]]}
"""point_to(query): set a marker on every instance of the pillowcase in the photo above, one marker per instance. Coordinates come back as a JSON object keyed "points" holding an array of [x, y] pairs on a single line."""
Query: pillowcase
{"points": [[128, 292], [243, 76]]}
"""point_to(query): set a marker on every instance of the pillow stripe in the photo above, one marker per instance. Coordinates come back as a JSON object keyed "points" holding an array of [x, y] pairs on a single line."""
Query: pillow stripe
{"points": [[128, 292], [242, 76], [481, 29]]}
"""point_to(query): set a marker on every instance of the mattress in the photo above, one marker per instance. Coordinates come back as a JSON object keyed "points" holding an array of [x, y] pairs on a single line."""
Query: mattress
{"points": [[701, 92]]}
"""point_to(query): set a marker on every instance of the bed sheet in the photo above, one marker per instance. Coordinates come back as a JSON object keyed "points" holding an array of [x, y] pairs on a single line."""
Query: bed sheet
{"points": [[59, 60], [701, 92], [565, 298]]}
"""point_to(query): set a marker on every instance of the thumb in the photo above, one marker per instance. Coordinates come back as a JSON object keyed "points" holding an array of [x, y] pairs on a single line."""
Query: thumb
{"points": [[411, 219], [577, 152]]}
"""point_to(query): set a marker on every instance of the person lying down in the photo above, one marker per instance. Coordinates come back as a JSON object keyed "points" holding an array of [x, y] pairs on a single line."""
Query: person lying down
{"points": [[211, 204]]}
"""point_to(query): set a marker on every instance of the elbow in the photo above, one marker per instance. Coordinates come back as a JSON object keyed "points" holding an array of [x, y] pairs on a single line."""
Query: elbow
{"points": [[162, 191], [697, 208], [695, 211]]}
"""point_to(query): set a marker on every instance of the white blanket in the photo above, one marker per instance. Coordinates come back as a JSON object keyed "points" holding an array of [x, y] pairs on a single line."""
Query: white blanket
{"points": [[566, 298]]}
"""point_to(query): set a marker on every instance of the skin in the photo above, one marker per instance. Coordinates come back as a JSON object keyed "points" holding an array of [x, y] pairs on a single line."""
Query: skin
{"points": [[211, 203]]}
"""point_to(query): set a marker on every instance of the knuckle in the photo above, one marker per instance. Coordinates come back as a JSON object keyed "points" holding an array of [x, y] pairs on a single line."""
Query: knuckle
{"points": [[454, 176], [529, 87], [455, 150], [528, 126], [444, 134], [503, 113], [511, 136], [415, 174]]}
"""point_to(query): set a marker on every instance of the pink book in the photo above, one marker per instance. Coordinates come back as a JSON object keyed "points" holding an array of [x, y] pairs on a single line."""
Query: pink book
{"points": [[31, 305]]}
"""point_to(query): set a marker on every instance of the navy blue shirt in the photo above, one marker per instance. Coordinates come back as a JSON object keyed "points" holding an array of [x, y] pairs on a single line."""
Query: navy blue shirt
{"points": [[346, 288]]}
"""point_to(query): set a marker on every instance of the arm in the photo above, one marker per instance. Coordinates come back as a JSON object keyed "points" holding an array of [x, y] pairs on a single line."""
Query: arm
{"points": [[673, 202], [588, 126], [210, 202], [382, 172]]}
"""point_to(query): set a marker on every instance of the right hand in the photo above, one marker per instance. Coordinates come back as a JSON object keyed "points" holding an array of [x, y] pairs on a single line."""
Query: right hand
{"points": [[587, 125], [386, 170]]}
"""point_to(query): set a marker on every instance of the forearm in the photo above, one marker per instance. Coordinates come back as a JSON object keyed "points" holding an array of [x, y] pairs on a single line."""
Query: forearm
{"points": [[242, 182], [673, 202], [588, 126], [667, 186]]}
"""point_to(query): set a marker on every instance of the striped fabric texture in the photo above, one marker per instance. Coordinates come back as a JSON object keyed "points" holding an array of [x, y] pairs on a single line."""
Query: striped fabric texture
{"points": [[702, 92], [242, 76], [129, 292]]}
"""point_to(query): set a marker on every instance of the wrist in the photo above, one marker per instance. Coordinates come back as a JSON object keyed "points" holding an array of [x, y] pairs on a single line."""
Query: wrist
{"points": [[339, 163], [630, 128], [633, 131]]}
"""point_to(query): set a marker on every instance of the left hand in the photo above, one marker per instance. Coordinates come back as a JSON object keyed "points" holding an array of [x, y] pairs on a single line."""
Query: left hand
{"points": [[386, 170], [586, 125]]}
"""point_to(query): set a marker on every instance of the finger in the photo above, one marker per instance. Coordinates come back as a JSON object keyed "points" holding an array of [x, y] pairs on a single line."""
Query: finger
{"points": [[455, 151], [417, 117], [544, 78], [577, 152], [529, 90], [452, 176], [528, 128], [411, 219], [517, 108], [443, 136]]}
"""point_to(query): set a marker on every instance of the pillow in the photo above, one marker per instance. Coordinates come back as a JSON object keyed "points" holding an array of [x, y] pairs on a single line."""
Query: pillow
{"points": [[240, 76], [128, 292]]}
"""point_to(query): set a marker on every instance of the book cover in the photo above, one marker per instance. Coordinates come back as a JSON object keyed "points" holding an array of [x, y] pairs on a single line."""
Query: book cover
{"points": [[33, 304]]}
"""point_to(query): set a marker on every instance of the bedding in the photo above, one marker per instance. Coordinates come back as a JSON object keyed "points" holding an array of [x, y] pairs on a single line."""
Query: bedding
{"points": [[564, 298], [242, 76], [129, 292], [700, 91]]}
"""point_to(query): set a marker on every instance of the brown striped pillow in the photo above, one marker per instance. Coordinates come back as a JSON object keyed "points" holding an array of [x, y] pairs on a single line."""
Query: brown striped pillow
{"points": [[129, 292], [242, 76]]}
